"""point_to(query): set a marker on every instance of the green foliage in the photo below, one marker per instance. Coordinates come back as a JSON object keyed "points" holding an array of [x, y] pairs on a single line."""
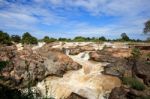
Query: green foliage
{"points": [[16, 38], [27, 38], [102, 38], [64, 39], [87, 39], [135, 53], [79, 39], [144, 97], [133, 83], [49, 40], [4, 38], [124, 37], [46, 39], [147, 27]]}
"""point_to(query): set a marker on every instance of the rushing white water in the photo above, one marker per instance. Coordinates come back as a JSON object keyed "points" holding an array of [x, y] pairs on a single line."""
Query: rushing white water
{"points": [[87, 82], [39, 45]]}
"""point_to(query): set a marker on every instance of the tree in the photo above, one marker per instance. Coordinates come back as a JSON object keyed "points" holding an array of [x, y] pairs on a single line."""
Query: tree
{"points": [[79, 39], [46, 39], [148, 39], [27, 38], [124, 37], [4, 38], [147, 27], [63, 39], [102, 38], [16, 38]]}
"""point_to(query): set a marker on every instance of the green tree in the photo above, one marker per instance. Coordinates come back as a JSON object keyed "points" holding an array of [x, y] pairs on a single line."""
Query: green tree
{"points": [[102, 38], [16, 38], [124, 37], [79, 39], [46, 39], [5, 38], [27, 38], [147, 27]]}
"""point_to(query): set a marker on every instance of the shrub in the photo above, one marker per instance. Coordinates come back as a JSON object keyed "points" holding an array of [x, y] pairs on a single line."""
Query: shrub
{"points": [[133, 83], [4, 38], [16, 38], [46, 39], [27, 38]]}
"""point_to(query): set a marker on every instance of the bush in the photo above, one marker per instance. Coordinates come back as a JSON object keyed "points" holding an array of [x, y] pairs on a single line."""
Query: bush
{"points": [[16, 38], [4, 38], [27, 38], [46, 39], [133, 83]]}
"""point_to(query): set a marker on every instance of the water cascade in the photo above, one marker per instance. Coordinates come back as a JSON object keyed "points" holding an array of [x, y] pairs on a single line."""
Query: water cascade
{"points": [[87, 82]]}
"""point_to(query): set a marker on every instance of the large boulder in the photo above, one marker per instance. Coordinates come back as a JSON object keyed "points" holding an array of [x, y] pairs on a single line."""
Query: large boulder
{"points": [[119, 93], [116, 59], [101, 56], [109, 55], [128, 93], [143, 71], [29, 66]]}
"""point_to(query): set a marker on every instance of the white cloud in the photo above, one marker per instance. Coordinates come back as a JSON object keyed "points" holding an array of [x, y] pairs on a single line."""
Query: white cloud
{"points": [[29, 17]]}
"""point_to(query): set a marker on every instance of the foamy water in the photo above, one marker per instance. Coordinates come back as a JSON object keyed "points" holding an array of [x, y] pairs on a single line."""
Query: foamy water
{"points": [[87, 82]]}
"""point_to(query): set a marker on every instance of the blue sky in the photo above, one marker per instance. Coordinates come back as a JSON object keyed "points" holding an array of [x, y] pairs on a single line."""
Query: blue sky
{"points": [[70, 18]]}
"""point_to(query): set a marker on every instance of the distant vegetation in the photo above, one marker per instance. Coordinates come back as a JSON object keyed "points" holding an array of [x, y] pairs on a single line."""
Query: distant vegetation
{"points": [[4, 38], [147, 27], [27, 38]]}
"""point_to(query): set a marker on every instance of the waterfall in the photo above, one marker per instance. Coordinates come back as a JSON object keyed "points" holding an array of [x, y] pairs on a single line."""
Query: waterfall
{"points": [[67, 51], [87, 81]]}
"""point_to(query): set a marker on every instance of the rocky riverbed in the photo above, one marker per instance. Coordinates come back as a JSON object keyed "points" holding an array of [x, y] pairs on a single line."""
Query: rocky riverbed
{"points": [[83, 70]]}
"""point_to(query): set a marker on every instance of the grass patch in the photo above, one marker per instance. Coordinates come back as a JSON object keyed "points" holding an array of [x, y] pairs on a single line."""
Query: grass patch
{"points": [[133, 83]]}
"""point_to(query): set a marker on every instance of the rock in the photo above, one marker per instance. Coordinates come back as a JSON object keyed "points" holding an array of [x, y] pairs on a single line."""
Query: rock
{"points": [[102, 56], [119, 93], [109, 55], [74, 51], [143, 71], [128, 93], [58, 63], [117, 61], [27, 65], [119, 68], [87, 48], [143, 47], [75, 96]]}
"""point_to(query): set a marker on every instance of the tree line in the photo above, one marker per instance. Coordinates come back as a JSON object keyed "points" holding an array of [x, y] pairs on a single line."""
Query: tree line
{"points": [[27, 38]]}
